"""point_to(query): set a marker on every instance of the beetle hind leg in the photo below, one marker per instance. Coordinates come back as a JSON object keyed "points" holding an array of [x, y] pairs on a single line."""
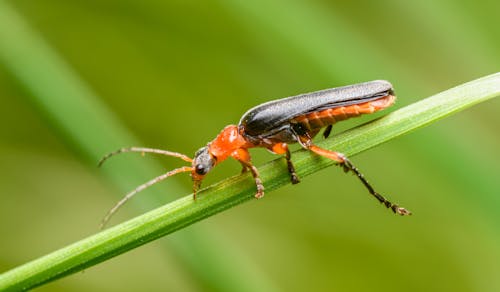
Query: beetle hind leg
{"points": [[347, 165]]}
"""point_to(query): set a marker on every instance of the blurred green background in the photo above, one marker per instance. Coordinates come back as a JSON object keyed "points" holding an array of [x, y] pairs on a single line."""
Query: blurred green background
{"points": [[172, 74]]}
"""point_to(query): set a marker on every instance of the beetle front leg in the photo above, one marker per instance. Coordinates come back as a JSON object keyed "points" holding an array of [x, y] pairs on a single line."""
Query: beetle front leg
{"points": [[243, 157]]}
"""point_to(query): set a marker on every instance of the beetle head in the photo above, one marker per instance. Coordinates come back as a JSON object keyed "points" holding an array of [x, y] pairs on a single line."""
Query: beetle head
{"points": [[203, 162]]}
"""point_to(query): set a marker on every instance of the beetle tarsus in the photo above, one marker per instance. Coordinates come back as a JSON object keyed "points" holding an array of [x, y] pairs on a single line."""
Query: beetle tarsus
{"points": [[258, 182], [260, 188], [400, 210]]}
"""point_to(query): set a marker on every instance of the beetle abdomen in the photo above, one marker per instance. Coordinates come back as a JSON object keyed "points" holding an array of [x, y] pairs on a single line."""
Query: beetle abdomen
{"points": [[273, 115], [323, 118]]}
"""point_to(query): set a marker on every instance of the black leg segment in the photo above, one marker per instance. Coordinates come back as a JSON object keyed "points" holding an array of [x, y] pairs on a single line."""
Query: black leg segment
{"points": [[291, 169]]}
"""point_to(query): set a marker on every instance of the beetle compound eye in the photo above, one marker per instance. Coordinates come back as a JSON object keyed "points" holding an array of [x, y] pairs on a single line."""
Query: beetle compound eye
{"points": [[201, 170]]}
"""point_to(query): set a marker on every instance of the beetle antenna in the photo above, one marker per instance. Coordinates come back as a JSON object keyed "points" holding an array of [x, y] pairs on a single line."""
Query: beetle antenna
{"points": [[145, 150], [140, 188]]}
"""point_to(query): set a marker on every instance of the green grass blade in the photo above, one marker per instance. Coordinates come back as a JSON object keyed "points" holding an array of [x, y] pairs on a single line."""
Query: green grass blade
{"points": [[238, 189]]}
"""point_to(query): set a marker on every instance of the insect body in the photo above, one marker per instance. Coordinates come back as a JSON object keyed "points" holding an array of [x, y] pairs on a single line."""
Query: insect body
{"points": [[274, 125]]}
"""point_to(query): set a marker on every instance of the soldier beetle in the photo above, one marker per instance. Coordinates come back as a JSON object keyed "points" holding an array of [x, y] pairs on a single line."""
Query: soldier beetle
{"points": [[275, 124]]}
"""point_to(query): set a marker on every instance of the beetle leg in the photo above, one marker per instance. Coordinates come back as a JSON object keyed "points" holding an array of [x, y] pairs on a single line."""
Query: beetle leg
{"points": [[291, 169], [243, 157], [342, 160], [327, 131], [244, 168], [282, 148]]}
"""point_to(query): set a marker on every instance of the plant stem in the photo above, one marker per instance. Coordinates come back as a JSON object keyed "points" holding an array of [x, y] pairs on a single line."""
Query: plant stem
{"points": [[235, 190]]}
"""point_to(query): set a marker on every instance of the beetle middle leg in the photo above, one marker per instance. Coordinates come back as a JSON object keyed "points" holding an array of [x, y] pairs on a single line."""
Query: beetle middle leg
{"points": [[291, 169], [244, 168], [282, 148], [342, 160]]}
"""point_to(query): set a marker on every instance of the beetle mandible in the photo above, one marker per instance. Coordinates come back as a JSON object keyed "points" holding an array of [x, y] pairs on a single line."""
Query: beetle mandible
{"points": [[275, 124]]}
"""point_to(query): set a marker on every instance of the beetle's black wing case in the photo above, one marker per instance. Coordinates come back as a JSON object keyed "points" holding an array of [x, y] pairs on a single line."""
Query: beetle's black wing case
{"points": [[273, 115]]}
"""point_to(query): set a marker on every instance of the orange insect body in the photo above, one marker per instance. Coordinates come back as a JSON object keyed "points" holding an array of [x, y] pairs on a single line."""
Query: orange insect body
{"points": [[227, 143], [274, 125]]}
